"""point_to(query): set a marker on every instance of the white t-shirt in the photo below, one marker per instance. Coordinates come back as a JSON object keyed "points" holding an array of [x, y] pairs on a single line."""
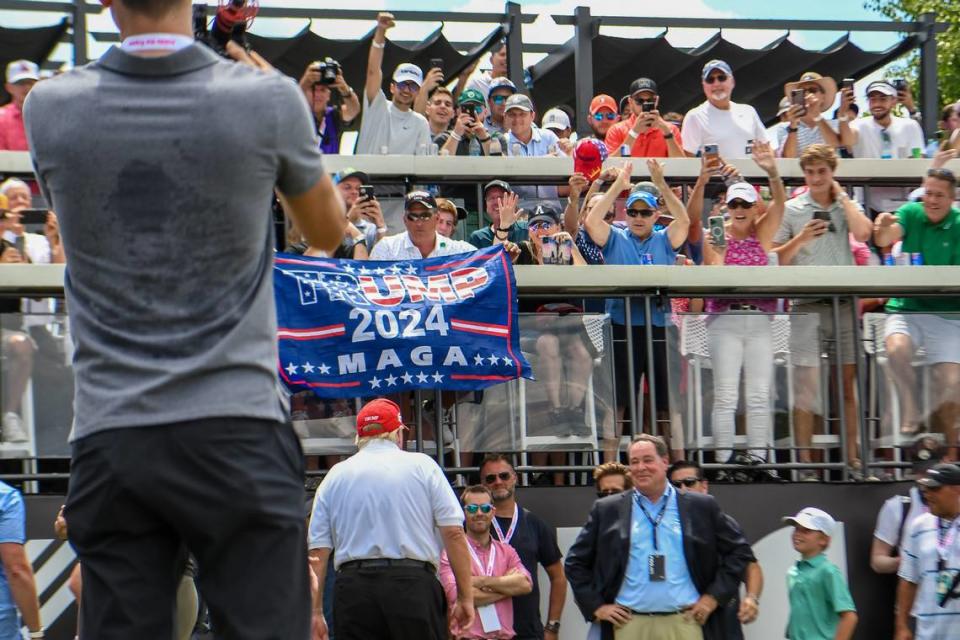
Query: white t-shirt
{"points": [[383, 503], [919, 566], [888, 527], [730, 129], [402, 132], [400, 247], [905, 135]]}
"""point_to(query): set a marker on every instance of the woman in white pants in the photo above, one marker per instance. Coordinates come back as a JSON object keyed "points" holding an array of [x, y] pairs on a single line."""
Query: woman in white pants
{"points": [[740, 336]]}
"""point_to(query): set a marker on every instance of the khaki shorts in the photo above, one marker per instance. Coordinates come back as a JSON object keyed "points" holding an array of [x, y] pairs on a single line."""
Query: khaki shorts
{"points": [[812, 334]]}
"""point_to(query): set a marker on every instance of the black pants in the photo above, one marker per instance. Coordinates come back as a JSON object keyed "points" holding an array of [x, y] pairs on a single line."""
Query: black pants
{"points": [[228, 490], [390, 603]]}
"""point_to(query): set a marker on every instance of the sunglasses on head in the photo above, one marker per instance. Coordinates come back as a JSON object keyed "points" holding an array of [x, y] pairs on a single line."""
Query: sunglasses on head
{"points": [[686, 482], [603, 493], [490, 478], [720, 77], [498, 99], [482, 508], [739, 204], [643, 213], [417, 217], [600, 116]]}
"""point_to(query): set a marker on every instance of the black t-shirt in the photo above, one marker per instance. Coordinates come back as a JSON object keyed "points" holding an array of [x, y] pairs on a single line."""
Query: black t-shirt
{"points": [[535, 543]]}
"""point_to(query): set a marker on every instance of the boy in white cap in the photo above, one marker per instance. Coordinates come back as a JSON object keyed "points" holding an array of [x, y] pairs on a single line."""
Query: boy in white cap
{"points": [[821, 607]]}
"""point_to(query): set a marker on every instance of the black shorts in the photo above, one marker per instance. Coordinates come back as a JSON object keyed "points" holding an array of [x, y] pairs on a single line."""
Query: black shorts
{"points": [[640, 363]]}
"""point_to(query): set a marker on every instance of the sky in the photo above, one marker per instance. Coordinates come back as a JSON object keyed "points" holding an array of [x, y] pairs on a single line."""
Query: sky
{"points": [[544, 30]]}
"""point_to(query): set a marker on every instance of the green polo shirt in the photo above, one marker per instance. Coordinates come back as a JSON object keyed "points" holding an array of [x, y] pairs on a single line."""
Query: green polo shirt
{"points": [[482, 238], [940, 245], [818, 595]]}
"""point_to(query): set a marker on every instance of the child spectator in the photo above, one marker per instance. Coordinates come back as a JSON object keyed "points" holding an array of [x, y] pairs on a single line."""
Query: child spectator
{"points": [[821, 607]]}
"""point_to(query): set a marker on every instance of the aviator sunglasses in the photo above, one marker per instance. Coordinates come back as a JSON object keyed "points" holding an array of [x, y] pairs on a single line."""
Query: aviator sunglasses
{"points": [[643, 213], [720, 77], [686, 482], [600, 116], [490, 478]]}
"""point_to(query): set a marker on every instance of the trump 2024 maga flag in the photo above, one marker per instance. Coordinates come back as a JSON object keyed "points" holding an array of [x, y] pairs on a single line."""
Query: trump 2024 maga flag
{"points": [[350, 328]]}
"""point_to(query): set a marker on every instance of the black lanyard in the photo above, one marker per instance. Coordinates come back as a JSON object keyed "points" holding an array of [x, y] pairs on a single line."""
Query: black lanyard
{"points": [[654, 523]]}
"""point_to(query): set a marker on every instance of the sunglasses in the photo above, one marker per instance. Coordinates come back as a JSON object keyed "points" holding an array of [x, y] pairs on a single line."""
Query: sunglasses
{"points": [[927, 489], [482, 508], [498, 99], [419, 217], [607, 492], [720, 77], [942, 174], [412, 87], [541, 224], [739, 204], [686, 482], [643, 213], [490, 478], [600, 116]]}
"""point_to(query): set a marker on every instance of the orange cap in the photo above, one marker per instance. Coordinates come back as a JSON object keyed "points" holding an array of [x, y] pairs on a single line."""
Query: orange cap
{"points": [[603, 101]]}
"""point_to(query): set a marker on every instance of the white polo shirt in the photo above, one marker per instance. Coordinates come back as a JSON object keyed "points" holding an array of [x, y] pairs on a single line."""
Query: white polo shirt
{"points": [[400, 247], [729, 129], [383, 503], [918, 565]]}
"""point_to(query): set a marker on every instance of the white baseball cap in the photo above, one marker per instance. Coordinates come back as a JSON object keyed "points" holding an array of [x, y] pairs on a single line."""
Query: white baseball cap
{"points": [[556, 119], [742, 190], [408, 72], [813, 519], [19, 70]]}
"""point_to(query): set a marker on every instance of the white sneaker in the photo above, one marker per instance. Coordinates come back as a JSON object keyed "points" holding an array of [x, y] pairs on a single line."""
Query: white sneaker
{"points": [[12, 429]]}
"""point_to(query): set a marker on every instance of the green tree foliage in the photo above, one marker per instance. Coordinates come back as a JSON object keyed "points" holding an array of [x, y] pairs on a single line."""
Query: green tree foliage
{"points": [[948, 42]]}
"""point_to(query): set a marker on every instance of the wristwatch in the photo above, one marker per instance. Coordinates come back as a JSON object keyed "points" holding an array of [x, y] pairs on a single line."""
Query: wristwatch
{"points": [[553, 626]]}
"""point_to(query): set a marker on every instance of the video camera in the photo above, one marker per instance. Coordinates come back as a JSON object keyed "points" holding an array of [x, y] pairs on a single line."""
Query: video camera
{"points": [[231, 22], [328, 68]]}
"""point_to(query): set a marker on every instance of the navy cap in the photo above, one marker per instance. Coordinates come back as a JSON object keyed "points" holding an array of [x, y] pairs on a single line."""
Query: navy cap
{"points": [[716, 65], [941, 475], [420, 197], [545, 212], [501, 83], [643, 84]]}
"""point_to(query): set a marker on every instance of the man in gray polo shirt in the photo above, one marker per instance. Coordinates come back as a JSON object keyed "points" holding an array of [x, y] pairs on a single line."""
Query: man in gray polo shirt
{"points": [[161, 160], [815, 231]]}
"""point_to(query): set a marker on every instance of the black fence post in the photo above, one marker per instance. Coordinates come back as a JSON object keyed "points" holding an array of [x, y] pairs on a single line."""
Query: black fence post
{"points": [[583, 67], [929, 99], [79, 20], [515, 47]]}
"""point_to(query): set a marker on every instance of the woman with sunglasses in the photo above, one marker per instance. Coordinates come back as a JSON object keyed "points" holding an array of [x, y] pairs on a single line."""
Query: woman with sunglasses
{"points": [[740, 334]]}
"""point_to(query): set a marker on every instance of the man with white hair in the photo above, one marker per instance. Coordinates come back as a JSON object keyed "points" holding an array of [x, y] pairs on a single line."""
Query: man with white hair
{"points": [[381, 509], [20, 78]]}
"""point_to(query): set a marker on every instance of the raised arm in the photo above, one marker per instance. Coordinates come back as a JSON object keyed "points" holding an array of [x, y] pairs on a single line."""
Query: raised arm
{"points": [[431, 80], [678, 229], [858, 223], [596, 227], [763, 156], [375, 58], [886, 230], [571, 214], [351, 103]]}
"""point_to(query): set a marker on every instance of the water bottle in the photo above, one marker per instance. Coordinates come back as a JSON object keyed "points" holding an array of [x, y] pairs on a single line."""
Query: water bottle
{"points": [[474, 148], [773, 259], [932, 147], [886, 146]]}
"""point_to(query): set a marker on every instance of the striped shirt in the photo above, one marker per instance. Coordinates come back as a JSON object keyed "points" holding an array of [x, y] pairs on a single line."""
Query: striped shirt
{"points": [[919, 565], [806, 136]]}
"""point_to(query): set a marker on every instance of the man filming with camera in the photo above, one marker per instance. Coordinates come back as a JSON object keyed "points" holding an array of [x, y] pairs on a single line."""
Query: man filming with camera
{"points": [[319, 82], [181, 441]]}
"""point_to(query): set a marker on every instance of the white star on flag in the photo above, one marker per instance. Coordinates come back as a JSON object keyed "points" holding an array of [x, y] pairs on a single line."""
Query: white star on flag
{"points": [[411, 268], [494, 360], [324, 369], [292, 369], [379, 271], [406, 377], [478, 360], [421, 377], [391, 380], [364, 271], [437, 377], [348, 268], [307, 367], [375, 382], [395, 268]]}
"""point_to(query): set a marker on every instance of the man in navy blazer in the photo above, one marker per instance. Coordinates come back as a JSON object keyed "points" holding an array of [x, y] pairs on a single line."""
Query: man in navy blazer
{"points": [[653, 562]]}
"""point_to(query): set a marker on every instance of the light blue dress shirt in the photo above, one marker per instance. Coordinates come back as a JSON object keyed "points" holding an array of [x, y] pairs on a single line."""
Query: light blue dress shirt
{"points": [[637, 591], [623, 247]]}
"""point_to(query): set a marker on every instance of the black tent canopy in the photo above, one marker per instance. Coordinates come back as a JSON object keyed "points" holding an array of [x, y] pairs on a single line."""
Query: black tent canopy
{"points": [[760, 73], [34, 44]]}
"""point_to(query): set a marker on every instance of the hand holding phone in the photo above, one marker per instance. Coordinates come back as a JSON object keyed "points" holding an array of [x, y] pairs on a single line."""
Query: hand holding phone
{"points": [[825, 216], [549, 250], [366, 192], [711, 155], [718, 234], [798, 99]]}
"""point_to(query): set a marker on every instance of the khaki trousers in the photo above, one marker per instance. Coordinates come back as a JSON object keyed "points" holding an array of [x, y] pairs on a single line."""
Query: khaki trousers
{"points": [[675, 627]]}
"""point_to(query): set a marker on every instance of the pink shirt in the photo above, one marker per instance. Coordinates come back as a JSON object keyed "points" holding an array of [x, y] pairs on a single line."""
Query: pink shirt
{"points": [[746, 252], [505, 561], [13, 137]]}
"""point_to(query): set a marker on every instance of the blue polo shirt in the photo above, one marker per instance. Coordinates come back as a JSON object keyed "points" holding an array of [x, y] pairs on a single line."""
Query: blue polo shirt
{"points": [[12, 529], [623, 247], [637, 591]]}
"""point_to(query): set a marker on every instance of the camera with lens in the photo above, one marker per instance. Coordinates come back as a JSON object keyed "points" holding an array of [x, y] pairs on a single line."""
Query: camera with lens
{"points": [[328, 68]]}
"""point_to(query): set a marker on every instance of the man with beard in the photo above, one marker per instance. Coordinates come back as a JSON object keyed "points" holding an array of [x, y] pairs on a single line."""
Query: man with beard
{"points": [[392, 126], [535, 543], [882, 135], [603, 115], [498, 574]]}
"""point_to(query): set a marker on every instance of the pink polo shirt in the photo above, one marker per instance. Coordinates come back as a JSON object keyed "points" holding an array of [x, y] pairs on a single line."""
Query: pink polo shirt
{"points": [[13, 137], [505, 561]]}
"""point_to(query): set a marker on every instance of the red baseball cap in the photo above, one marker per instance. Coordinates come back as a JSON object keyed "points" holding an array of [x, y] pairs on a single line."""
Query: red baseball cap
{"points": [[378, 416], [603, 101]]}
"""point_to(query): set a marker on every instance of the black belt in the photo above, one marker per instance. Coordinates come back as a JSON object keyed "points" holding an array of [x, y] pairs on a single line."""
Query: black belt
{"points": [[387, 563], [656, 613]]}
